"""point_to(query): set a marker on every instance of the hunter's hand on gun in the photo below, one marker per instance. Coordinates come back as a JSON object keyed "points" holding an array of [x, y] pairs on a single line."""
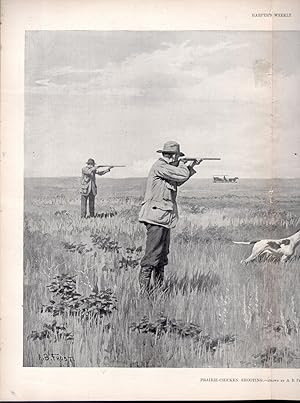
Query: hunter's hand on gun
{"points": [[191, 162], [102, 166], [105, 171], [194, 162], [109, 167]]}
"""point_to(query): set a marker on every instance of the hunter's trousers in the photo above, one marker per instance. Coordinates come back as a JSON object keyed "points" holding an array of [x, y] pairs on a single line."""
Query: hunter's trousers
{"points": [[155, 257], [84, 200]]}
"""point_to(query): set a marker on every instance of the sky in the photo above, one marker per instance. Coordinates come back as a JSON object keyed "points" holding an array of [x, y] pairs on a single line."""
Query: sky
{"points": [[117, 96]]}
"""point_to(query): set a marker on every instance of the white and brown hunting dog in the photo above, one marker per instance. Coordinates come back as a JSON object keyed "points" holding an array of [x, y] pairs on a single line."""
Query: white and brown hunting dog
{"points": [[281, 248]]}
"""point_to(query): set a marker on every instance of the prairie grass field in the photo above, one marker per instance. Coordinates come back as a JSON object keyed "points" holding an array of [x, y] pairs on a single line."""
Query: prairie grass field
{"points": [[82, 306]]}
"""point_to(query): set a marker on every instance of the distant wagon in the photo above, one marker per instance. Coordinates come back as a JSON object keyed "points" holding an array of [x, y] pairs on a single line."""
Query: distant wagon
{"points": [[225, 179]]}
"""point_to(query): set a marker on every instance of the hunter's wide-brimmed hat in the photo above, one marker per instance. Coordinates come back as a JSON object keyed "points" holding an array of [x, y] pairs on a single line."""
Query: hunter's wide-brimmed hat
{"points": [[171, 147], [91, 161]]}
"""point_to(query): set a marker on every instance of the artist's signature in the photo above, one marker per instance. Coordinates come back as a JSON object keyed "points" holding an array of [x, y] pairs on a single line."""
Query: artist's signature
{"points": [[62, 359]]}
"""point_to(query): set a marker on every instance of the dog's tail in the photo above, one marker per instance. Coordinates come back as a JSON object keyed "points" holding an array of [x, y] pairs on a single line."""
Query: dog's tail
{"points": [[245, 243]]}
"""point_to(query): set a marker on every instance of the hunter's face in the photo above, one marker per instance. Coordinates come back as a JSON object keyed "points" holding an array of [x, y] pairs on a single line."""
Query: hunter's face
{"points": [[90, 165], [174, 157]]}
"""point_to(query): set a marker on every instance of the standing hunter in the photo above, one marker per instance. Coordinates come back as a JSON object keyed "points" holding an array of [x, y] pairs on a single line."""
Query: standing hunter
{"points": [[89, 187], [159, 211]]}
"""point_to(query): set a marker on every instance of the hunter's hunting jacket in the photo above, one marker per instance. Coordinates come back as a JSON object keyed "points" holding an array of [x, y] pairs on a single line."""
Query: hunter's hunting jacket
{"points": [[159, 206], [88, 181]]}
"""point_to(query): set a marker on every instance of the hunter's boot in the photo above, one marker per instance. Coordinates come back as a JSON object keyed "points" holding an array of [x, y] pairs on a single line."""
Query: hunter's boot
{"points": [[145, 278]]}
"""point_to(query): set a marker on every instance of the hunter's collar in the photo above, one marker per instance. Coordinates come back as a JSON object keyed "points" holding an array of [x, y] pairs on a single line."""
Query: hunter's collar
{"points": [[162, 159]]}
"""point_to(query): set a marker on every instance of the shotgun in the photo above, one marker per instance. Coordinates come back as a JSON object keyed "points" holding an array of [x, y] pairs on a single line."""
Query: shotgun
{"points": [[111, 166], [199, 159], [196, 161]]}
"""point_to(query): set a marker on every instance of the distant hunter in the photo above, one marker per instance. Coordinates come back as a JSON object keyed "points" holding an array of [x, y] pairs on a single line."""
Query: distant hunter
{"points": [[89, 186], [159, 211]]}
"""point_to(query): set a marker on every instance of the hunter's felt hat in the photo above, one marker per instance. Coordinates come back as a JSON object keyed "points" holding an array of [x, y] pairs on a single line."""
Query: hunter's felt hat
{"points": [[91, 161], [171, 147]]}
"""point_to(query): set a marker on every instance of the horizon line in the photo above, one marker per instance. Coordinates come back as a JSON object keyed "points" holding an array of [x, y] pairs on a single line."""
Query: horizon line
{"points": [[145, 177]]}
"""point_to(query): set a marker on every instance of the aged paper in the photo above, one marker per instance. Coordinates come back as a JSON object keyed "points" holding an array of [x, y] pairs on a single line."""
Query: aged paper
{"points": [[38, 140]]}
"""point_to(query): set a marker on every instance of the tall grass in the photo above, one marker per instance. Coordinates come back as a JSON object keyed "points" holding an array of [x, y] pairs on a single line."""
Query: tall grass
{"points": [[205, 285]]}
